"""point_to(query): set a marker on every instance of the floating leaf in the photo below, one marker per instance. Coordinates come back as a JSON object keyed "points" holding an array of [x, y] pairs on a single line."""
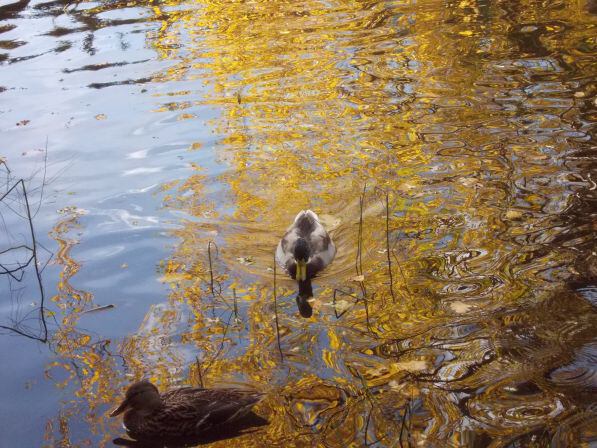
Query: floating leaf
{"points": [[460, 307], [342, 305], [410, 366], [513, 215], [329, 221]]}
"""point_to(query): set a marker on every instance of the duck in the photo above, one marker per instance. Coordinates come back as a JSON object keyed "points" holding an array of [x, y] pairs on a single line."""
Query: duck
{"points": [[304, 251], [183, 412]]}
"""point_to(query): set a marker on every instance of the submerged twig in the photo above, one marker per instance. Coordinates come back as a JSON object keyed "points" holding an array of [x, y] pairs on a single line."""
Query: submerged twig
{"points": [[20, 267], [367, 312], [213, 281], [43, 181], [211, 271], [199, 374], [403, 425], [401, 272], [36, 265], [359, 257], [221, 347], [367, 425], [98, 308], [388, 247], [372, 404], [276, 313], [336, 290]]}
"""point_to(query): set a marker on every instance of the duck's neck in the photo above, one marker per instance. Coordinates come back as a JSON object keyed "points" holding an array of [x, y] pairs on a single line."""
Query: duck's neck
{"points": [[305, 288]]}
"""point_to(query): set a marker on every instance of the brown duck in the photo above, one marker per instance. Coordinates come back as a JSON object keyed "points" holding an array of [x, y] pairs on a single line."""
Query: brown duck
{"points": [[183, 412]]}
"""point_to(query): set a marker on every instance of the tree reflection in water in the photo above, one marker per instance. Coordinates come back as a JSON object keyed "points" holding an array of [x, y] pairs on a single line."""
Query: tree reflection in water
{"points": [[460, 308]]}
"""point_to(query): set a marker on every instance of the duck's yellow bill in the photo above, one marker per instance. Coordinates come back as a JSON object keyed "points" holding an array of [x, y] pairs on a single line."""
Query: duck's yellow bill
{"points": [[301, 270]]}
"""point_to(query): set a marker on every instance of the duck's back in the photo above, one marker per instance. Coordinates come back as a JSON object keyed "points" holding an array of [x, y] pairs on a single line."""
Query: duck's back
{"points": [[305, 223], [191, 411]]}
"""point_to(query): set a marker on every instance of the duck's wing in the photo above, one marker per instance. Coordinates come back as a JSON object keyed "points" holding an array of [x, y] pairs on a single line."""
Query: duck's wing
{"points": [[322, 248], [285, 249], [221, 406], [181, 393], [305, 223], [196, 410]]}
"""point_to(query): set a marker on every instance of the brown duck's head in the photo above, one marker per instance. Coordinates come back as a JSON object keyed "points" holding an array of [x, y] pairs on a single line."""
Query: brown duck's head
{"points": [[142, 397]]}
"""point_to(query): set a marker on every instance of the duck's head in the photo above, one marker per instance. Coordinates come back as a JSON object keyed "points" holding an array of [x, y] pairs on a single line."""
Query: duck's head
{"points": [[301, 254], [142, 397]]}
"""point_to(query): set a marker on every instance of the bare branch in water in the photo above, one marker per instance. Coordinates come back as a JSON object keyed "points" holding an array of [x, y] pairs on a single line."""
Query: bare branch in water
{"points": [[336, 291], [367, 312], [98, 308], [211, 271], [21, 267], [213, 282], [403, 425], [221, 347], [199, 374], [43, 181], [276, 313], [401, 272], [388, 247], [359, 257]]}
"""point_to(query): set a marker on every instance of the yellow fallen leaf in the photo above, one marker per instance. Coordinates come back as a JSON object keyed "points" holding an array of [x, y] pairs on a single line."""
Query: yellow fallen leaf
{"points": [[342, 305], [466, 33], [329, 221], [460, 307], [470, 182], [513, 215], [410, 366]]}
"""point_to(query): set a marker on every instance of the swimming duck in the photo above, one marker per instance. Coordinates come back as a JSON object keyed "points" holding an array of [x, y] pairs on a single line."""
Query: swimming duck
{"points": [[182, 412], [305, 250]]}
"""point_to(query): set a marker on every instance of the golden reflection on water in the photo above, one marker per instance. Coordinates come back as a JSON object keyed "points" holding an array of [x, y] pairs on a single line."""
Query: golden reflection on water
{"points": [[451, 129]]}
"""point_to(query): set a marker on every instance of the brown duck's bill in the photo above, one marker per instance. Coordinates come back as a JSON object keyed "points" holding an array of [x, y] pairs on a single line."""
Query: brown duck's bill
{"points": [[120, 409]]}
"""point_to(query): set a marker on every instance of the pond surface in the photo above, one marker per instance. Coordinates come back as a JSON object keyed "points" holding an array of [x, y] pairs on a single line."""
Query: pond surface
{"points": [[448, 146]]}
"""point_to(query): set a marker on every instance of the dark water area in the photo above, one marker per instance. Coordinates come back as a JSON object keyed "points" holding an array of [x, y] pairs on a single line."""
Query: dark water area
{"points": [[165, 146]]}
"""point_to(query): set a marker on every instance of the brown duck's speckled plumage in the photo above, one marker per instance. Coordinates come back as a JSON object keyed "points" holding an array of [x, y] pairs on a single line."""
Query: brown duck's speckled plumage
{"points": [[188, 411]]}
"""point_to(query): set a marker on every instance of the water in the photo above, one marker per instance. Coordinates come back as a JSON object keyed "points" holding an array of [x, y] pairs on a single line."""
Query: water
{"points": [[447, 146]]}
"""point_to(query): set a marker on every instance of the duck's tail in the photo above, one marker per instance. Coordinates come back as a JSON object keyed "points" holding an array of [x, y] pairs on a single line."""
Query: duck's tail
{"points": [[306, 214]]}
